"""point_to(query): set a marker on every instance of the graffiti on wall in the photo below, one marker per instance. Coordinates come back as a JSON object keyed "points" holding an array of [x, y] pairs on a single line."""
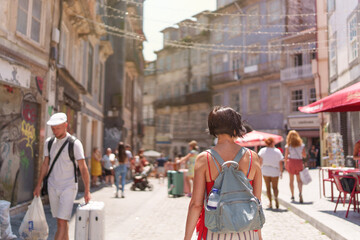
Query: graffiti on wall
{"points": [[112, 137], [18, 130]]}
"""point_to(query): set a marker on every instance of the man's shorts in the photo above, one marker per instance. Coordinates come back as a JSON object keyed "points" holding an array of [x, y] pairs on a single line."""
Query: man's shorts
{"points": [[161, 170], [62, 201]]}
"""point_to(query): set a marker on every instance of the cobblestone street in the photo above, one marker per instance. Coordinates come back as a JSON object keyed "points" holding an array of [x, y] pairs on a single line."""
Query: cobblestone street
{"points": [[162, 217], [153, 215]]}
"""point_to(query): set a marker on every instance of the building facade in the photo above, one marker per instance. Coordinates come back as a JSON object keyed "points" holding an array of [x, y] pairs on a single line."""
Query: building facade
{"points": [[148, 113], [343, 39], [261, 71], [52, 59], [183, 94], [24, 78], [124, 75]]}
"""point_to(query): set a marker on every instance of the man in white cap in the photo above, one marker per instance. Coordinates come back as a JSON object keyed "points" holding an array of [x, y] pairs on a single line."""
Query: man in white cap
{"points": [[62, 186]]}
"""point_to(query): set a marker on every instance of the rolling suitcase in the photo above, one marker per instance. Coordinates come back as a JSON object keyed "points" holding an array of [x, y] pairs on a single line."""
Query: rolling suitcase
{"points": [[175, 183], [90, 221]]}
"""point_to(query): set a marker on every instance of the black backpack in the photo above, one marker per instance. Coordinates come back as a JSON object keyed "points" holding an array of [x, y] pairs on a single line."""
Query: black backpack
{"points": [[72, 140]]}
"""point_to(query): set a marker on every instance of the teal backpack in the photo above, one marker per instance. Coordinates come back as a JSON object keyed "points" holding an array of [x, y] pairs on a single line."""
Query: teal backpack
{"points": [[238, 210]]}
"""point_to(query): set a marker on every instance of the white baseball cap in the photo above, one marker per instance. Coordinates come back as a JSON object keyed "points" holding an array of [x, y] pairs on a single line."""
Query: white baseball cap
{"points": [[57, 119]]}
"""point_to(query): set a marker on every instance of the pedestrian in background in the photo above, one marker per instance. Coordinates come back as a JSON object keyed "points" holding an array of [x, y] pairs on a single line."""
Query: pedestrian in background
{"points": [[96, 170], [313, 154], [107, 161], [190, 162], [130, 161], [294, 153], [143, 161], [227, 125], [62, 184], [121, 169], [271, 160], [160, 167], [356, 154]]}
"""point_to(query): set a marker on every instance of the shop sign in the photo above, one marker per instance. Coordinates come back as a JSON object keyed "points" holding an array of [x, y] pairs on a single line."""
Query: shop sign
{"points": [[304, 122], [163, 139], [13, 74]]}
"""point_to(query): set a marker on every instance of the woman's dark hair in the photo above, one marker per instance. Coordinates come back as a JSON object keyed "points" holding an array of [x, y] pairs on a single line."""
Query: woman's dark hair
{"points": [[225, 120], [122, 153]]}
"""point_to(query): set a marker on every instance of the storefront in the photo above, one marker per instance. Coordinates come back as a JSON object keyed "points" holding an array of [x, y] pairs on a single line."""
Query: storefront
{"points": [[20, 121]]}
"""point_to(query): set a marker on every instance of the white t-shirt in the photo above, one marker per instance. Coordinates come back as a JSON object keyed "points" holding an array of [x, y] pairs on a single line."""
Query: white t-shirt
{"points": [[107, 160], [62, 176], [295, 152], [271, 158]]}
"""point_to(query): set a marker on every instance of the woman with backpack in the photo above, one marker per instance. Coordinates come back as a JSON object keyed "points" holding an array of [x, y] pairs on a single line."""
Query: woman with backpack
{"points": [[227, 125], [294, 153]]}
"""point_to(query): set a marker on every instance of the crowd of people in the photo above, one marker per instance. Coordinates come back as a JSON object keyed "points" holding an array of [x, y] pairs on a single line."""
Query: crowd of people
{"points": [[115, 165], [224, 123]]}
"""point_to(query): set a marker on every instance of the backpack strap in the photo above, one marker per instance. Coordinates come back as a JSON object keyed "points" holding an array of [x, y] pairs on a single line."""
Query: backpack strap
{"points": [[72, 140], [216, 164], [51, 141], [250, 164], [240, 154], [217, 156], [209, 165]]}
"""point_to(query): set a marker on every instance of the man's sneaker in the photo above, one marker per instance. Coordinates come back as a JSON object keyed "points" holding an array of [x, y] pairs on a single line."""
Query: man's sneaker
{"points": [[116, 194], [122, 195]]}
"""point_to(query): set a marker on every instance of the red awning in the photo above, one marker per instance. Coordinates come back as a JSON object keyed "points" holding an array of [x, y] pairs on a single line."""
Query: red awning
{"points": [[256, 138], [345, 100]]}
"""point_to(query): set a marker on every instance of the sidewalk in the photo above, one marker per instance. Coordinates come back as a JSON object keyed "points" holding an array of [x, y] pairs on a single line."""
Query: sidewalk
{"points": [[318, 210]]}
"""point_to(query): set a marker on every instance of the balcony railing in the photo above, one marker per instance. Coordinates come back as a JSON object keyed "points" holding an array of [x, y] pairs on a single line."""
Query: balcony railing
{"points": [[244, 72], [190, 98], [296, 72]]}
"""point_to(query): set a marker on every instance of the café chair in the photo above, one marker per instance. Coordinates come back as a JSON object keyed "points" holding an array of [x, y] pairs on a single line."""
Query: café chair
{"points": [[353, 193], [330, 179]]}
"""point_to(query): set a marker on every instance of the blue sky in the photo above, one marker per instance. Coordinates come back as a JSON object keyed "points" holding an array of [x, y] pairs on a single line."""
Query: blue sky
{"points": [[159, 14]]}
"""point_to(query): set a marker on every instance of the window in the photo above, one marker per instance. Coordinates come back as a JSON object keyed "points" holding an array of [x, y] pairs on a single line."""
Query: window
{"points": [[160, 64], [298, 60], [353, 43], [312, 97], [194, 85], [254, 100], [235, 101], [101, 82], [330, 5], [235, 26], [204, 82], [63, 46], [236, 64], [332, 55], [274, 9], [218, 64], [217, 100], [90, 68], [253, 18], [296, 100], [84, 63], [168, 63], [217, 32], [253, 56], [274, 98], [29, 18]]}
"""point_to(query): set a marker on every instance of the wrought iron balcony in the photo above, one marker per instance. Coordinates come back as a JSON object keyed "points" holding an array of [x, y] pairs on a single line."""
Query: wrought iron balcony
{"points": [[187, 99], [245, 72], [293, 73]]}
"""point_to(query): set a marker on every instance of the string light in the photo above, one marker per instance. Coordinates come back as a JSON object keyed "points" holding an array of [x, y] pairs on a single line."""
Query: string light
{"points": [[209, 47]]}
